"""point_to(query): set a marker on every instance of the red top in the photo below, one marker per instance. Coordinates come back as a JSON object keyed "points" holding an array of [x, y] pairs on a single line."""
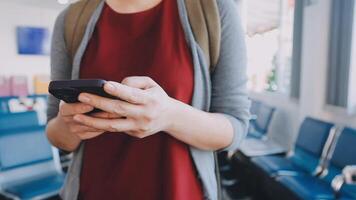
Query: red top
{"points": [[117, 166]]}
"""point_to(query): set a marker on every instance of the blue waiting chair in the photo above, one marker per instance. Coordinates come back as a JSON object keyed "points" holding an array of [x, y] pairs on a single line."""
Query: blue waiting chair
{"points": [[4, 105], [305, 186], [259, 126], [29, 166], [18, 120], [4, 101], [254, 109], [313, 135], [348, 192]]}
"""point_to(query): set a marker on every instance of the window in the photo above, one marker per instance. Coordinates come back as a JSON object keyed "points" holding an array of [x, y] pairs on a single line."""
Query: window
{"points": [[352, 82], [340, 78], [269, 39]]}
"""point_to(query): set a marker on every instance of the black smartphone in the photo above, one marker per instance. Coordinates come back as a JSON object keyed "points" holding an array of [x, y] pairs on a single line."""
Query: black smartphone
{"points": [[69, 90]]}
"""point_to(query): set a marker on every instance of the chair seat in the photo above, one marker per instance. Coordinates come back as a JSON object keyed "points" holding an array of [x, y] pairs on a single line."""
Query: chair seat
{"points": [[348, 192], [307, 187], [276, 165], [255, 147], [41, 186]]}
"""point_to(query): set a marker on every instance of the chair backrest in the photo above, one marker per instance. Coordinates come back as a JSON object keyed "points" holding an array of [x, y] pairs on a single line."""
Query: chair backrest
{"points": [[343, 153], [19, 147], [255, 107], [18, 85], [4, 105], [4, 87], [264, 117], [18, 120], [24, 152], [310, 143]]}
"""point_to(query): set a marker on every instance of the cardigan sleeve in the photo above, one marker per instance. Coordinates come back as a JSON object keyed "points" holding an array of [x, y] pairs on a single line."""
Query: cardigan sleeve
{"points": [[61, 67], [229, 92]]}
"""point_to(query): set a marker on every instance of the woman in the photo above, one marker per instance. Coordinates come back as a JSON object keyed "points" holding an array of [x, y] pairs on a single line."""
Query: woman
{"points": [[157, 140]]}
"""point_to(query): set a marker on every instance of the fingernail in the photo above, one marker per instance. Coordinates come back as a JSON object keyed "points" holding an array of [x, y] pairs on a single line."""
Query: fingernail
{"points": [[84, 98], [110, 86]]}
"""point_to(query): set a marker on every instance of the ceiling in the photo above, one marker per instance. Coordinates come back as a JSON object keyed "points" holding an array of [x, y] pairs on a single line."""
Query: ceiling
{"points": [[49, 4]]}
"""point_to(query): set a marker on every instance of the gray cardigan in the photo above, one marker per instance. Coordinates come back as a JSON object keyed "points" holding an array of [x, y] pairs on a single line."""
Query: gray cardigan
{"points": [[221, 91]]}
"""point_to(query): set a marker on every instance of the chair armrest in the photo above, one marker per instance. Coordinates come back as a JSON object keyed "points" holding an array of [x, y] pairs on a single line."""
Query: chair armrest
{"points": [[349, 173], [337, 183], [253, 117], [348, 176]]}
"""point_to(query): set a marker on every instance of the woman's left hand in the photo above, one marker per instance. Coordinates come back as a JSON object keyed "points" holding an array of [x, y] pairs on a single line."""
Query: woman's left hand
{"points": [[146, 107]]}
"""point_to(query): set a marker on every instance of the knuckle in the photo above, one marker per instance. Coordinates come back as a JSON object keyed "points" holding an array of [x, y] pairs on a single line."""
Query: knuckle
{"points": [[126, 80], [119, 109], [147, 78], [113, 128], [143, 129], [138, 134], [94, 100], [148, 117], [147, 98], [98, 103], [133, 96]]}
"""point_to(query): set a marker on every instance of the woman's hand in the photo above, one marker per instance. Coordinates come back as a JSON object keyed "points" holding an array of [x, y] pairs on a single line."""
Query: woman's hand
{"points": [[66, 133], [147, 109], [66, 114], [145, 106]]}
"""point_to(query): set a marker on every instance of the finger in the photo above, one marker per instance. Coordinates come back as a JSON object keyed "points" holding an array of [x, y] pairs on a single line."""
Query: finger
{"points": [[110, 105], [67, 109], [111, 125], [88, 135], [78, 128], [106, 115], [140, 82], [126, 93]]}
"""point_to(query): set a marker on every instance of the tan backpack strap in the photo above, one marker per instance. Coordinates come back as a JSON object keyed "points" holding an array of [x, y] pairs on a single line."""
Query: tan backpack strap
{"points": [[77, 18], [204, 19]]}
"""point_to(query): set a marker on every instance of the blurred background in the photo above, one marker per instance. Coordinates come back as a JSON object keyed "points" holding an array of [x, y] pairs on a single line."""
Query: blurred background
{"points": [[302, 81]]}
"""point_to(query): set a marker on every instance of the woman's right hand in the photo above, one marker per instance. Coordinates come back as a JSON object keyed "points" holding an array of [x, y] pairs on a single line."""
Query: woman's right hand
{"points": [[65, 133], [66, 114]]}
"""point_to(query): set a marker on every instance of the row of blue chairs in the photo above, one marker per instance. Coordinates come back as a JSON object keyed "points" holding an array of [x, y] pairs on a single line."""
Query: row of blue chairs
{"points": [[315, 169], [260, 140], [5, 101], [261, 116], [29, 166], [38, 103]]}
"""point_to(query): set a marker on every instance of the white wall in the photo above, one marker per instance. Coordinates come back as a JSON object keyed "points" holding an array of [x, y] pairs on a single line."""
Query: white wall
{"points": [[315, 66], [315, 58], [352, 80], [18, 14], [313, 77]]}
